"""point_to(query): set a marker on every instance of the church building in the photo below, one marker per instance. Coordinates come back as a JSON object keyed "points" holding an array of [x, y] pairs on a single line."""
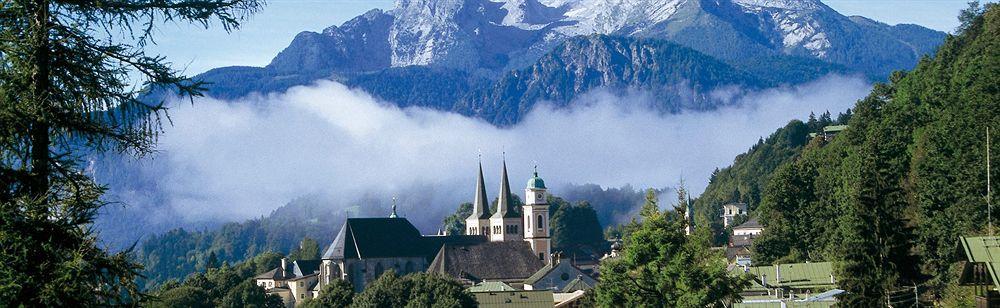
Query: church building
{"points": [[530, 225]]}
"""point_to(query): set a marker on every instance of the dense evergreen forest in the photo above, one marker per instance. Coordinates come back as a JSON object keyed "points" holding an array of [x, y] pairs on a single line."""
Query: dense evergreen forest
{"points": [[887, 199]]}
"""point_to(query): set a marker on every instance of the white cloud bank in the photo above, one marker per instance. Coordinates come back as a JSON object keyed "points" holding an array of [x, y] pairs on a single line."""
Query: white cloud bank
{"points": [[237, 160]]}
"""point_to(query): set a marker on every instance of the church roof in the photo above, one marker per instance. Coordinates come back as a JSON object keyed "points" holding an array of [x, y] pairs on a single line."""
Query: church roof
{"points": [[536, 182], [511, 260], [375, 238], [388, 238], [480, 205], [505, 208]]}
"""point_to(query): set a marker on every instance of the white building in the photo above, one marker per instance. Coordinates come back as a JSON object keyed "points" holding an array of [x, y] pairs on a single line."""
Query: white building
{"points": [[751, 228], [730, 211]]}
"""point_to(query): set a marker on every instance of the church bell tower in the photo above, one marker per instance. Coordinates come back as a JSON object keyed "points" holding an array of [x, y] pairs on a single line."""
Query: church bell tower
{"points": [[536, 218]]}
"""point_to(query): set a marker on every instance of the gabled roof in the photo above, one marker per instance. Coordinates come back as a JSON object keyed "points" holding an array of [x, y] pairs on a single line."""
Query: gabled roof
{"points": [[578, 284], [984, 250], [491, 286], [388, 238], [513, 260], [558, 276], [376, 238], [276, 274], [305, 267], [296, 269]]}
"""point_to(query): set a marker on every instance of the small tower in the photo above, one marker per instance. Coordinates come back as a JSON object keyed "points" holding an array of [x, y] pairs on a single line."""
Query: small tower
{"points": [[505, 224], [478, 223], [393, 214], [536, 218]]}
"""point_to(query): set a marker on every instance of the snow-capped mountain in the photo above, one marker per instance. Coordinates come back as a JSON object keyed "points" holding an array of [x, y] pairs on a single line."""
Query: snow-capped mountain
{"points": [[406, 54], [501, 35]]}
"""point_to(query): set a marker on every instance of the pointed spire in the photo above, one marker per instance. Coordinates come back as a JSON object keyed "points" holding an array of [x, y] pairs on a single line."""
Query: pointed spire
{"points": [[480, 205], [504, 206], [393, 215]]}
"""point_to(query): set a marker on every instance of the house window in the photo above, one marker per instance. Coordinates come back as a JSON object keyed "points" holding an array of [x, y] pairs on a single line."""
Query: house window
{"points": [[541, 256], [300, 283]]}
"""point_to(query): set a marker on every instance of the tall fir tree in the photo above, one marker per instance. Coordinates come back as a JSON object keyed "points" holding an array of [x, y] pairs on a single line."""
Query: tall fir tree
{"points": [[66, 91]]}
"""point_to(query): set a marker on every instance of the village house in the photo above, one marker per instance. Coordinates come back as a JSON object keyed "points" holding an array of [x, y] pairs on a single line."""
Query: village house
{"points": [[749, 228], [981, 267], [741, 242], [560, 276], [293, 281]]}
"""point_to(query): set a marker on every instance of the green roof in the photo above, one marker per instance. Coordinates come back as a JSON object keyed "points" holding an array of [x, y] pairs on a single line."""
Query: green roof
{"points": [[834, 128], [797, 275], [491, 286], [536, 182], [515, 299], [984, 249]]}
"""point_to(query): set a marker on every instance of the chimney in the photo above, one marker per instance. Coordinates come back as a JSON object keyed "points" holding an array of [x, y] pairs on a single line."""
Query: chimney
{"points": [[284, 264], [777, 274]]}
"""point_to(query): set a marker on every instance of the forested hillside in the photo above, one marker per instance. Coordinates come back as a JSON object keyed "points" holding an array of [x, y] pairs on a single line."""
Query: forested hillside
{"points": [[177, 253], [745, 179], [888, 199]]}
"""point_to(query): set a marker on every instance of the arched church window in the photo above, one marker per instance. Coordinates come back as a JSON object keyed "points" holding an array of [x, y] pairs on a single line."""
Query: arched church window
{"points": [[539, 223], [378, 269]]}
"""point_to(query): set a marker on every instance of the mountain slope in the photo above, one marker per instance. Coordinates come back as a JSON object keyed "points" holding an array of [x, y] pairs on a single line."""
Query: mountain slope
{"points": [[678, 77], [487, 38]]}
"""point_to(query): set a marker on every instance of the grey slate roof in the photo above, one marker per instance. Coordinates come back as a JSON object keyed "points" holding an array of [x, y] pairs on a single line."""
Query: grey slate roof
{"points": [[511, 260], [552, 276], [375, 238], [750, 224], [480, 205], [305, 267], [388, 238], [578, 284], [296, 269]]}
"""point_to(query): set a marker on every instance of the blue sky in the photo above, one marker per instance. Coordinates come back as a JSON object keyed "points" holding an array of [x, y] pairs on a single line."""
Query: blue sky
{"points": [[196, 50]]}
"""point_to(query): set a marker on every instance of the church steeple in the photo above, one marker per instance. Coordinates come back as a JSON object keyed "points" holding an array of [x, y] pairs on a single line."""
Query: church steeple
{"points": [[505, 224], [504, 205], [481, 205]]}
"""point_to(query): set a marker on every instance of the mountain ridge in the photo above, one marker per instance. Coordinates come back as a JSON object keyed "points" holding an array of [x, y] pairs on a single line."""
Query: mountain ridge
{"points": [[471, 42]]}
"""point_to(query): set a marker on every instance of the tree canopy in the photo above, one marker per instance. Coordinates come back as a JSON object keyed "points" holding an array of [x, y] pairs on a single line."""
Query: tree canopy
{"points": [[662, 267], [414, 290], [66, 91]]}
